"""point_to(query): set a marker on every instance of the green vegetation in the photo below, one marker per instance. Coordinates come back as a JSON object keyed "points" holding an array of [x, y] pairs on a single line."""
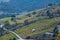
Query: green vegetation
{"points": [[55, 32], [38, 26], [8, 36], [7, 19], [41, 21]]}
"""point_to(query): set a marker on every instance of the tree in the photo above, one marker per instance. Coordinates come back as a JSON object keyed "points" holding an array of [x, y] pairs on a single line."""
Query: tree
{"points": [[14, 38], [1, 31], [49, 14], [33, 13], [13, 18], [55, 32]]}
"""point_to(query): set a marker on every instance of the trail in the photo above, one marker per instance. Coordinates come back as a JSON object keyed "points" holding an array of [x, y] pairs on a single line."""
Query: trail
{"points": [[14, 34]]}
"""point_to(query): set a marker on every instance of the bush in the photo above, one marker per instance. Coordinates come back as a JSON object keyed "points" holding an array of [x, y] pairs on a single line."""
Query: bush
{"points": [[34, 13]]}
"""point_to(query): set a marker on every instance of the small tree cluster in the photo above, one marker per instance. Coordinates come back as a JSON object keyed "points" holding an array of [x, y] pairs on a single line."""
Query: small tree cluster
{"points": [[1, 31], [34, 13], [49, 14], [55, 32]]}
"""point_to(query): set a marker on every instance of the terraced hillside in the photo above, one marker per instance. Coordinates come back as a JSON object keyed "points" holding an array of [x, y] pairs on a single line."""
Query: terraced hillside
{"points": [[33, 23], [8, 37], [44, 23]]}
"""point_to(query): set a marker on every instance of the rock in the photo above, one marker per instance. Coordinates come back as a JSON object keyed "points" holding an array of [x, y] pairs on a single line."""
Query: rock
{"points": [[33, 30]]}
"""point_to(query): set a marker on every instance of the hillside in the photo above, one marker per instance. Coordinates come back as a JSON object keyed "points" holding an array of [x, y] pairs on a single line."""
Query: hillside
{"points": [[33, 23], [43, 22]]}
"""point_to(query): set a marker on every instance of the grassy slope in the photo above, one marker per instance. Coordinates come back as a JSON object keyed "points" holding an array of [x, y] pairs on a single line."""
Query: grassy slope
{"points": [[38, 25], [8, 36], [7, 19], [18, 21]]}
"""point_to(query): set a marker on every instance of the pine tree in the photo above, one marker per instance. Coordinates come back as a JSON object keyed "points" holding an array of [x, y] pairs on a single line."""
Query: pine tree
{"points": [[55, 32]]}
